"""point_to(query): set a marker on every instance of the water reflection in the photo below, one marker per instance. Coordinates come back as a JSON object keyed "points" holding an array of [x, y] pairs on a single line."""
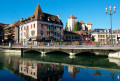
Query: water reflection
{"points": [[40, 71], [58, 68], [116, 61]]}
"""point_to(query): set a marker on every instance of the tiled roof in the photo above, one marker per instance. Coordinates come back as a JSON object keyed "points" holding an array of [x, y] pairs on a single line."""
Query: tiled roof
{"points": [[82, 32], [81, 22], [117, 31], [3, 25], [72, 16], [89, 23], [16, 23], [41, 16], [69, 32]]}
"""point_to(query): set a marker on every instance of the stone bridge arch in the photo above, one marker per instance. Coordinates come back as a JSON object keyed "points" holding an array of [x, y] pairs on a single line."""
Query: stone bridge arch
{"points": [[31, 50], [88, 53], [72, 52]]}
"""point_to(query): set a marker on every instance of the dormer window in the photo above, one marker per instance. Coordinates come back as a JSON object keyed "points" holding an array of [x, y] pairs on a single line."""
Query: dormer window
{"points": [[100, 30], [40, 17], [48, 18]]}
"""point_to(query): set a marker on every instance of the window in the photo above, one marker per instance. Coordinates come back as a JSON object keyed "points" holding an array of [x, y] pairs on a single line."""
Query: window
{"points": [[66, 37], [60, 28], [48, 33], [32, 33], [27, 27], [72, 37], [42, 26], [55, 27], [55, 33], [49, 27], [41, 32], [31, 26], [24, 27], [34, 25]]}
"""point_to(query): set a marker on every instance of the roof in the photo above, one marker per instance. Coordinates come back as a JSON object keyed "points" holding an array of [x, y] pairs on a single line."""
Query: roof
{"points": [[89, 23], [70, 32], [16, 23], [3, 25], [72, 16], [39, 15], [82, 32], [82, 22], [102, 31], [117, 31]]}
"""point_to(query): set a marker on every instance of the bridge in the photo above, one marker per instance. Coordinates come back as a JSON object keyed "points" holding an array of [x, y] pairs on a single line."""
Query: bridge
{"points": [[71, 50]]}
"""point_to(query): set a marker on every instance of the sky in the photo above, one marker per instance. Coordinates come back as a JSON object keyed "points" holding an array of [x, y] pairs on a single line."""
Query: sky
{"points": [[85, 10]]}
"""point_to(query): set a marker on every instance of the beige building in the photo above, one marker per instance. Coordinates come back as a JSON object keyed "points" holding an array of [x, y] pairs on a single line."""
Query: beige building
{"points": [[104, 36], [11, 32]]}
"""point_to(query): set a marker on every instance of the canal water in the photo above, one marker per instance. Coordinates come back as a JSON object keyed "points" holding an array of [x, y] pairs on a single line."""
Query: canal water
{"points": [[58, 67]]}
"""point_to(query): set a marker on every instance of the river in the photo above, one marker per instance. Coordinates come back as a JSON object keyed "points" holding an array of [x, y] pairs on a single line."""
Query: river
{"points": [[58, 67]]}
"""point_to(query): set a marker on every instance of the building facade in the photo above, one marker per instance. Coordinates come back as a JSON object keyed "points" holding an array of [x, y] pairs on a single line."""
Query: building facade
{"points": [[12, 32], [70, 36], [41, 27], [103, 36], [118, 35], [2, 26], [71, 22], [86, 26], [85, 36]]}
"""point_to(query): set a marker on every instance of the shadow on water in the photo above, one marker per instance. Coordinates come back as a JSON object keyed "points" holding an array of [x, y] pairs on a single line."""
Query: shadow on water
{"points": [[57, 54], [85, 54], [32, 51], [80, 59]]}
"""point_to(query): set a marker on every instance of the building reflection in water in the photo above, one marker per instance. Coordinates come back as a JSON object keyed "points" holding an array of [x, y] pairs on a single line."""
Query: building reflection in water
{"points": [[28, 70], [40, 72], [73, 71]]}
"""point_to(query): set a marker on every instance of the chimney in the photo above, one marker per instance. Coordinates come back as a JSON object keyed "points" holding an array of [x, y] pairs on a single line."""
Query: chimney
{"points": [[21, 19], [58, 16]]}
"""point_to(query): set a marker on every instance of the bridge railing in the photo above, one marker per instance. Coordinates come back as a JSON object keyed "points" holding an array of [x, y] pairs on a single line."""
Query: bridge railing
{"points": [[45, 46]]}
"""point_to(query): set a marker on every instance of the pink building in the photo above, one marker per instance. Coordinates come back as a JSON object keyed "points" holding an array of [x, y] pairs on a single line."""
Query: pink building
{"points": [[41, 27]]}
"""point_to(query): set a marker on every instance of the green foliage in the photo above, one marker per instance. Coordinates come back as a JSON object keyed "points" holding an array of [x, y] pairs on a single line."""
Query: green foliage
{"points": [[1, 29], [97, 44], [66, 27], [93, 39], [77, 27]]}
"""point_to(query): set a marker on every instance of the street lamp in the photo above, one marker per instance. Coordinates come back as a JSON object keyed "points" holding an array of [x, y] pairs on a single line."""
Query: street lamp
{"points": [[111, 13]]}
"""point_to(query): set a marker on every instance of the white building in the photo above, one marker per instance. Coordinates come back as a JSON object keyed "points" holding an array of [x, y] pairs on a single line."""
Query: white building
{"points": [[86, 26], [104, 36], [40, 27], [71, 22]]}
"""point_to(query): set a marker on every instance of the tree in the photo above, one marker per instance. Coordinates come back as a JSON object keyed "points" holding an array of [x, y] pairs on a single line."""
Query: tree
{"points": [[1, 29], [77, 27], [66, 27], [93, 39]]}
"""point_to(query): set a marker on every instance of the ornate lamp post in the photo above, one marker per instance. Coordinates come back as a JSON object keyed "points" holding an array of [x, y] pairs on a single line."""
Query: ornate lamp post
{"points": [[111, 13]]}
